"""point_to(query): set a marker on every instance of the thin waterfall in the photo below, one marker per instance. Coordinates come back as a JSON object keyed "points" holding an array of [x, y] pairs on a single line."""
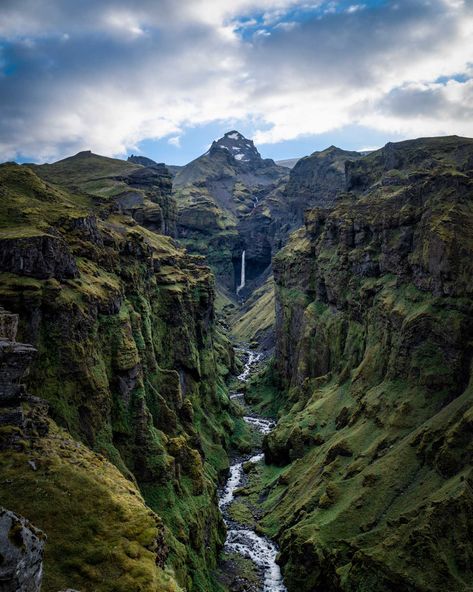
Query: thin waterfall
{"points": [[242, 277]]}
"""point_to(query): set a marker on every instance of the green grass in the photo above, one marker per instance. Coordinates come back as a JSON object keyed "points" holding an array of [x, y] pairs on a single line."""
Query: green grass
{"points": [[258, 315]]}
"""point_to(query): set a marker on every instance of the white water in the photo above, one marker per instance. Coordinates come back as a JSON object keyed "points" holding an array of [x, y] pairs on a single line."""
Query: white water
{"points": [[240, 539], [261, 425], [242, 274], [253, 358]]}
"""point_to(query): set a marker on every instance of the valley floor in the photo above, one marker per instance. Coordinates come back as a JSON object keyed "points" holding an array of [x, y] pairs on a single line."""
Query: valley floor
{"points": [[249, 558]]}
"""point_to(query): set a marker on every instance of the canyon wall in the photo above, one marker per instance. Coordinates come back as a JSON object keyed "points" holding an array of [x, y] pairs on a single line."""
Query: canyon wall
{"points": [[374, 318], [131, 364]]}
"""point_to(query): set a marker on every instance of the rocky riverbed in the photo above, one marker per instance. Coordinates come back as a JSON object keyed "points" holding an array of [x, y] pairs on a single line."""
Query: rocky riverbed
{"points": [[242, 539]]}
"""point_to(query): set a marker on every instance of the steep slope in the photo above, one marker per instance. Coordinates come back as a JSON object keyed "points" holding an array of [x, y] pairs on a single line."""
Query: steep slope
{"points": [[100, 535], [253, 321], [219, 196], [374, 318], [139, 188], [130, 358]]}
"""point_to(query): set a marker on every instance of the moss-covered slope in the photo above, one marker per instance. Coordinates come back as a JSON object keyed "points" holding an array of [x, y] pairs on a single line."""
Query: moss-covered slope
{"points": [[374, 321], [130, 359], [143, 192], [101, 537], [254, 320]]}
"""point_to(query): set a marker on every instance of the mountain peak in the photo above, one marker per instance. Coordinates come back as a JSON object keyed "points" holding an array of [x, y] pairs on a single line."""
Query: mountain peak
{"points": [[234, 135], [239, 147]]}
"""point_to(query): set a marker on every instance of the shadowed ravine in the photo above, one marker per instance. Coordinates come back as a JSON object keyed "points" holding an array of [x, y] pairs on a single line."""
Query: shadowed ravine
{"points": [[241, 539]]}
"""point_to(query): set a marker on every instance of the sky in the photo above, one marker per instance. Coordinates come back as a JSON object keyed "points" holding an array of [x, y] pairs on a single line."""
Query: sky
{"points": [[163, 78]]}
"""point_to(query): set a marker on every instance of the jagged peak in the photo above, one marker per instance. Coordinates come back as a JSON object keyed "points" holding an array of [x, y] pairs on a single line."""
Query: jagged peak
{"points": [[234, 135], [240, 148]]}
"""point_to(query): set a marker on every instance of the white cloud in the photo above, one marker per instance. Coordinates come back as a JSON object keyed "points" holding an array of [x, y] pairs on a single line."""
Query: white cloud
{"points": [[355, 8], [175, 141], [106, 75]]}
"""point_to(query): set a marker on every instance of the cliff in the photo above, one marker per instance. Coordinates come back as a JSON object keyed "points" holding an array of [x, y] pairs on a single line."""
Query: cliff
{"points": [[100, 533], [373, 346], [131, 363], [318, 180]]}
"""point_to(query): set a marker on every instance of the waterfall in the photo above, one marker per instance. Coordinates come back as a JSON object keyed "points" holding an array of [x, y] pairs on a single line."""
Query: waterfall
{"points": [[242, 277]]}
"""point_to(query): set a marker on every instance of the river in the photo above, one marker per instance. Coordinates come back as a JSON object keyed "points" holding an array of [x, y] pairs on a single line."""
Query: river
{"points": [[241, 539]]}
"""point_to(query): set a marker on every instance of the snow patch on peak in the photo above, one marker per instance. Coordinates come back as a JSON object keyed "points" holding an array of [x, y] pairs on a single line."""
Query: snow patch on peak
{"points": [[234, 136], [240, 157]]}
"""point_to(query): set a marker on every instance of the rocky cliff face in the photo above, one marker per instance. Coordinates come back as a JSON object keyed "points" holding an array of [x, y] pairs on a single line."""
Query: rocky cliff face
{"points": [[221, 196], [100, 534], [21, 550], [131, 363], [318, 180], [374, 317], [21, 544]]}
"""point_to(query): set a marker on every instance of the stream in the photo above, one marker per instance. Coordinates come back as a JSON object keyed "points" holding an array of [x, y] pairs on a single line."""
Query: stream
{"points": [[241, 539]]}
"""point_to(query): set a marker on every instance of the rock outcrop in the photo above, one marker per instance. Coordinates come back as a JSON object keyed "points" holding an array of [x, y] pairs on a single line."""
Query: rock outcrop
{"points": [[20, 414], [43, 256], [374, 317], [318, 180], [21, 553]]}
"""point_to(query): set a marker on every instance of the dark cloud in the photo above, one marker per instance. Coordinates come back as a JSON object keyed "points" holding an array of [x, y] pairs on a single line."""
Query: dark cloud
{"points": [[436, 100], [109, 74]]}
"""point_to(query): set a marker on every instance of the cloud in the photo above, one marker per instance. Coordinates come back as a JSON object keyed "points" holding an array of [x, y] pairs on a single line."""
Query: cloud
{"points": [[336, 71], [107, 75], [175, 141], [355, 7]]}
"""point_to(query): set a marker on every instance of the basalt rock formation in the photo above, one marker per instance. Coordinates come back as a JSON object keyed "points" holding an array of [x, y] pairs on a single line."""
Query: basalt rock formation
{"points": [[318, 180], [131, 363], [21, 544], [74, 494], [374, 318]]}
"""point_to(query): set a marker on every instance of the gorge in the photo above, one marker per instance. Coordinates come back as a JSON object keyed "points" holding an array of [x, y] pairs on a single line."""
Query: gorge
{"points": [[242, 377]]}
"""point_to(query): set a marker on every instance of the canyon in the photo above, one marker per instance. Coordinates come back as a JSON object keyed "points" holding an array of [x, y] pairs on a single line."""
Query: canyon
{"points": [[236, 376]]}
